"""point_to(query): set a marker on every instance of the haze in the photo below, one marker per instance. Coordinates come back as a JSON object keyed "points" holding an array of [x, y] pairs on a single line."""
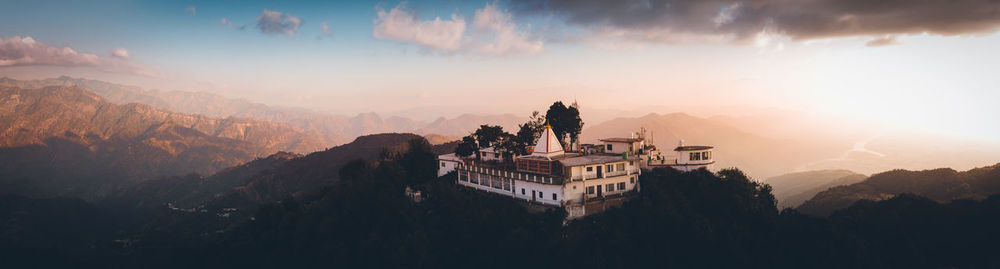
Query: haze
{"points": [[922, 67]]}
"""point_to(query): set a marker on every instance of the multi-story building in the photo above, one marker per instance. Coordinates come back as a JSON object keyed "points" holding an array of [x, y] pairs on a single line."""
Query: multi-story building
{"points": [[581, 183]]}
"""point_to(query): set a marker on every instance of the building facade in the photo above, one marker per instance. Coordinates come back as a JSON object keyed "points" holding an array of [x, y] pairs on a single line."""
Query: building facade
{"points": [[552, 177]]}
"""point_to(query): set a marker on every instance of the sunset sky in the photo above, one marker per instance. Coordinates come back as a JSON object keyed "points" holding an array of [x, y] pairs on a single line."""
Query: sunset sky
{"points": [[923, 65]]}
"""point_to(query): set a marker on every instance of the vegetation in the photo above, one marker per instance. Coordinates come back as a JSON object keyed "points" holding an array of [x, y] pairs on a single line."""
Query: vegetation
{"points": [[942, 185], [565, 121], [695, 219]]}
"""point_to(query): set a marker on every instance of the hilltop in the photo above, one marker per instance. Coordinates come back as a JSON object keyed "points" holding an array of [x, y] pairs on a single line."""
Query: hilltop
{"points": [[942, 185]]}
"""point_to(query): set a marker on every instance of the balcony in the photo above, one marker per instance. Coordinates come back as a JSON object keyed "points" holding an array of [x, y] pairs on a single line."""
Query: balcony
{"points": [[510, 172], [605, 175]]}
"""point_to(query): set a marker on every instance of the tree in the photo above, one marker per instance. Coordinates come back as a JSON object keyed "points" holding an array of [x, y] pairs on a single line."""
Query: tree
{"points": [[488, 135], [528, 133], [467, 147], [508, 146], [358, 169], [564, 121]]}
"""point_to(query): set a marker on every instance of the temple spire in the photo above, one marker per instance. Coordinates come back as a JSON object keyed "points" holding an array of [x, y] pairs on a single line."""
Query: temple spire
{"points": [[548, 145]]}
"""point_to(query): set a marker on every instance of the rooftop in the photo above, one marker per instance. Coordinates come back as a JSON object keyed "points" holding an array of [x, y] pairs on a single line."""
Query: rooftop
{"points": [[622, 140], [594, 159], [689, 148], [553, 158]]}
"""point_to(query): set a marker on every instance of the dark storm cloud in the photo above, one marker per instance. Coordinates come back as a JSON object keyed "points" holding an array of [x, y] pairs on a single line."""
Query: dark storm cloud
{"points": [[800, 20]]}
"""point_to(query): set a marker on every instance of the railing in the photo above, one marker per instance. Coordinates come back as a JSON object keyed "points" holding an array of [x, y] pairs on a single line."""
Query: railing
{"points": [[511, 174], [605, 175], [615, 173]]}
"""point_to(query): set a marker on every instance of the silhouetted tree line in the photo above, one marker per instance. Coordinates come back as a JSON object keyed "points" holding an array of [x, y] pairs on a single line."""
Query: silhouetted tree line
{"points": [[696, 219]]}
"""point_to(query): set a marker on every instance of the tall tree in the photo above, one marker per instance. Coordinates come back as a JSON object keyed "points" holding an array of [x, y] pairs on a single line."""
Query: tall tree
{"points": [[488, 135], [564, 121]]}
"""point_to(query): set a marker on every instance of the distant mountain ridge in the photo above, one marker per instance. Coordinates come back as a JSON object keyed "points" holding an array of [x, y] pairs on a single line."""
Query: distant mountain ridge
{"points": [[942, 185], [793, 189], [332, 129], [63, 140]]}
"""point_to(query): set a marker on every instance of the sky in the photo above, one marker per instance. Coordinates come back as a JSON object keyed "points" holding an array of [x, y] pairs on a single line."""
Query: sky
{"points": [[921, 65]]}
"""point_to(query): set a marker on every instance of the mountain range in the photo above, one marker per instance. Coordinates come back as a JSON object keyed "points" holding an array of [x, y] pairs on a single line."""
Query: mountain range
{"points": [[793, 189], [332, 129], [942, 185], [63, 140]]}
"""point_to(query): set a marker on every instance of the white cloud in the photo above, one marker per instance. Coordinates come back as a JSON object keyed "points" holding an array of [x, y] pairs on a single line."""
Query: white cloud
{"points": [[401, 25], [276, 23], [499, 35], [192, 10], [494, 32], [18, 51], [121, 53], [226, 22]]}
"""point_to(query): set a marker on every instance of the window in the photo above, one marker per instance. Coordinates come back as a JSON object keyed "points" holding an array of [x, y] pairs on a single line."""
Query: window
{"points": [[609, 168], [590, 168], [442, 164], [590, 190], [621, 186], [463, 177], [621, 167], [708, 155], [631, 163], [522, 191], [554, 197], [608, 147], [610, 187], [631, 180], [541, 195], [574, 187]]}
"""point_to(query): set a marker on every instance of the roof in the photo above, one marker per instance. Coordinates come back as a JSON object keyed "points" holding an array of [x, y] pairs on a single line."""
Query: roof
{"points": [[622, 140], [553, 158], [449, 157], [489, 149], [548, 145], [688, 148], [595, 159]]}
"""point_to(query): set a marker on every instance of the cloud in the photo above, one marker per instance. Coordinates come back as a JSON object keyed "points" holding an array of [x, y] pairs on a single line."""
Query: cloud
{"points": [[402, 25], [192, 10], [226, 22], [493, 32], [276, 23], [882, 41], [501, 33], [668, 21], [17, 51], [324, 30], [120, 53]]}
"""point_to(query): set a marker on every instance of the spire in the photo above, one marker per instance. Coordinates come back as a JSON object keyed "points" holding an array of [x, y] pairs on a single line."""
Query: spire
{"points": [[547, 145]]}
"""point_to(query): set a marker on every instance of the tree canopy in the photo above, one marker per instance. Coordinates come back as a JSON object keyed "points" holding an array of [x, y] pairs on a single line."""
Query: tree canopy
{"points": [[565, 121]]}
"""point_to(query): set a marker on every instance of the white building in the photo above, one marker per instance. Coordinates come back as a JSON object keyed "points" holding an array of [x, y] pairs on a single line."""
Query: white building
{"points": [[447, 163], [686, 158], [583, 184], [489, 154]]}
